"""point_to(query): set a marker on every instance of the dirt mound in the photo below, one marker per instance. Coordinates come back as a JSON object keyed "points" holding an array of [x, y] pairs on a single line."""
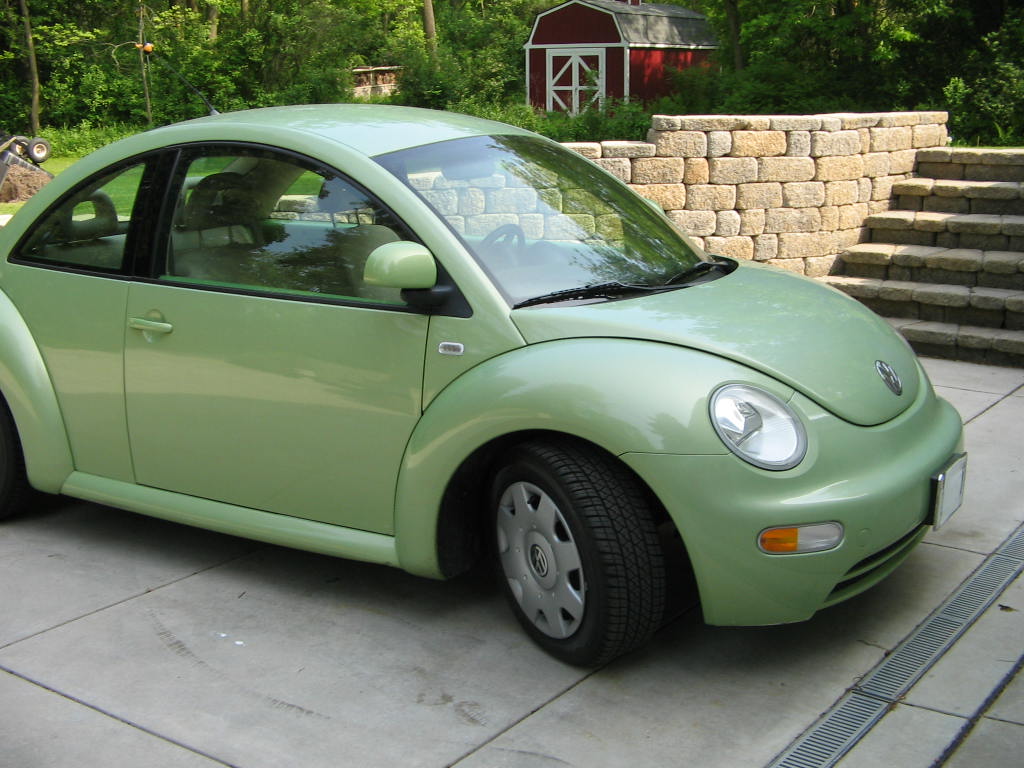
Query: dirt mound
{"points": [[22, 181]]}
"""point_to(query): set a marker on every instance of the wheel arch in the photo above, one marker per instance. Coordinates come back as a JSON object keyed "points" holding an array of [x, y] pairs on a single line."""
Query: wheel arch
{"points": [[28, 393]]}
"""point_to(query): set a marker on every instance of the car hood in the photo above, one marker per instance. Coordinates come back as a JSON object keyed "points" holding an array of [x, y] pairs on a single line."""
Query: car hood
{"points": [[802, 333]]}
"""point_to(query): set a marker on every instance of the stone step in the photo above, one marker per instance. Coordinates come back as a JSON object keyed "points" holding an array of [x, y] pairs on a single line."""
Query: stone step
{"points": [[971, 163], [993, 232], [929, 264], [959, 196], [992, 346], [936, 302]]}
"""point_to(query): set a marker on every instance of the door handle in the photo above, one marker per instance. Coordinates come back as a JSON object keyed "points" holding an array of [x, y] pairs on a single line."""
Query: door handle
{"points": [[149, 326]]}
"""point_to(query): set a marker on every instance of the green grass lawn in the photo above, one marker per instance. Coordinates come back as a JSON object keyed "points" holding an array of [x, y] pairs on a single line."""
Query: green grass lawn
{"points": [[54, 165]]}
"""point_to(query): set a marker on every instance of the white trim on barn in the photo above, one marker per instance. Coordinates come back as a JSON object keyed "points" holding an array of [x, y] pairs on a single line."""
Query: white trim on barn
{"points": [[578, 93]]}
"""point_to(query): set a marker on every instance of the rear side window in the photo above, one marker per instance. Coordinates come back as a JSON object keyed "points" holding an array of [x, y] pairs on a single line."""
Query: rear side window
{"points": [[89, 229]]}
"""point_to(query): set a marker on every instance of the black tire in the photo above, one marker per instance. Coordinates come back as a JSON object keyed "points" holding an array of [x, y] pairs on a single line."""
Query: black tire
{"points": [[38, 150], [14, 487], [577, 551]]}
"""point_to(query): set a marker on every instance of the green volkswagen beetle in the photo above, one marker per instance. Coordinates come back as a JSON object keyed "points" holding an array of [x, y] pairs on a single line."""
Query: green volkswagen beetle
{"points": [[415, 338]]}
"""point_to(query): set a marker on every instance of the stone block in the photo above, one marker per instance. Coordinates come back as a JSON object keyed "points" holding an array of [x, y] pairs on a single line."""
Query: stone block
{"points": [[712, 123], [752, 221], [657, 170], [785, 169], [790, 265], [732, 170], [805, 245], [778, 220], [876, 164], [620, 167], [819, 266], [671, 197], [902, 161], [1002, 262], [845, 238], [509, 200], [881, 187], [891, 139], [929, 135], [858, 287], [896, 290], [913, 256], [665, 123], [864, 189], [942, 334], [758, 143], [728, 224], [831, 123], [696, 223], [682, 144], [841, 192], [977, 224], [802, 123], [870, 253], [627, 149], [992, 298], [696, 171], [851, 216], [855, 120], [935, 155], [891, 220], [758, 195], [803, 194], [719, 143], [955, 259], [766, 247], [939, 170], [877, 206], [732, 247], [824, 143], [589, 149], [798, 143], [865, 140], [1013, 225], [829, 217], [838, 168], [900, 119], [915, 187], [942, 295], [472, 202], [710, 197]]}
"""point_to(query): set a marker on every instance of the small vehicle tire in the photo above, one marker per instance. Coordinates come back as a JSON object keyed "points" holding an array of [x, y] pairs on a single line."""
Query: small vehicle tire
{"points": [[14, 487], [38, 150], [577, 551]]}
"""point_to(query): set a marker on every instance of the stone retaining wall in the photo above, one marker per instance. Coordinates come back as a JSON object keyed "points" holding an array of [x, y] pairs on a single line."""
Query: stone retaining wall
{"points": [[792, 191]]}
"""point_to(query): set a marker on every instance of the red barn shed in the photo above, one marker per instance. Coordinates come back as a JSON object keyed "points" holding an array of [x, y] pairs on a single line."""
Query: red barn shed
{"points": [[583, 51]]}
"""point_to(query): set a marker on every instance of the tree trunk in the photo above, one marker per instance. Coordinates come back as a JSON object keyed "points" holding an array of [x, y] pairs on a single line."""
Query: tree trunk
{"points": [[429, 29], [33, 68], [732, 17]]}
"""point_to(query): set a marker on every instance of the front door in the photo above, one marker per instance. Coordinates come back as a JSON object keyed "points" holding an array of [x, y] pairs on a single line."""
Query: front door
{"points": [[258, 370], [575, 79]]}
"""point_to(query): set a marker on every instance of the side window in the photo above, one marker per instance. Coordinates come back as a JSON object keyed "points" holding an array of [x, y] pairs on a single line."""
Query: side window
{"points": [[88, 229], [260, 222]]}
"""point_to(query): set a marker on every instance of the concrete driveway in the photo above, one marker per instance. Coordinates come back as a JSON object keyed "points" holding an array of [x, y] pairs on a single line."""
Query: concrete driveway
{"points": [[128, 641]]}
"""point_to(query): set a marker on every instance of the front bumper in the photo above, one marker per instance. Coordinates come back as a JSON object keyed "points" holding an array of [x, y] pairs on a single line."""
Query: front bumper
{"points": [[875, 481]]}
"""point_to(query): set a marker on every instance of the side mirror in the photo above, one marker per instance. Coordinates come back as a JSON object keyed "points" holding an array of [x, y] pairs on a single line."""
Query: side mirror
{"points": [[402, 265]]}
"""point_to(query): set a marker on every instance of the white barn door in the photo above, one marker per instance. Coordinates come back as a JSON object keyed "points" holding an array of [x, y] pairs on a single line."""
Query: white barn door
{"points": [[575, 79]]}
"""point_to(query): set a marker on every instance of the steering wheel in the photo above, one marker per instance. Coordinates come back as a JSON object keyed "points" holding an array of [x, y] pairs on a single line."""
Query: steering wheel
{"points": [[506, 237]]}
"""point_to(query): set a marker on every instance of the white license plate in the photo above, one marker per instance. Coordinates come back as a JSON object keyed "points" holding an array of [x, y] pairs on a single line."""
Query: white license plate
{"points": [[949, 490]]}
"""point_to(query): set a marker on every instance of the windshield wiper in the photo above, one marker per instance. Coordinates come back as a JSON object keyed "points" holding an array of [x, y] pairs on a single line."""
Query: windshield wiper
{"points": [[594, 291], [698, 269]]}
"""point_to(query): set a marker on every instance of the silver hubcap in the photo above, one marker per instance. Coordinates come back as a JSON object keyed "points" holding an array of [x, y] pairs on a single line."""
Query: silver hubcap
{"points": [[540, 560]]}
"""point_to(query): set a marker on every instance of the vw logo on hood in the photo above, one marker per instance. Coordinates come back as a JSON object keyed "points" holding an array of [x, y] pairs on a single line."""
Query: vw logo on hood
{"points": [[889, 376]]}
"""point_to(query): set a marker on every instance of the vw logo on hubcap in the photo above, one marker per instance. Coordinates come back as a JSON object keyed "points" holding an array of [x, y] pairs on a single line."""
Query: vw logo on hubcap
{"points": [[889, 376], [539, 561]]}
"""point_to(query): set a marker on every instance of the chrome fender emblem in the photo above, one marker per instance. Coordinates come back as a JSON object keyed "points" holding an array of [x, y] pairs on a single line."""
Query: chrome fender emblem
{"points": [[889, 376]]}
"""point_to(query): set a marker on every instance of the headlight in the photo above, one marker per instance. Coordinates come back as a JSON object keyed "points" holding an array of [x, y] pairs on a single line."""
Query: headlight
{"points": [[758, 427]]}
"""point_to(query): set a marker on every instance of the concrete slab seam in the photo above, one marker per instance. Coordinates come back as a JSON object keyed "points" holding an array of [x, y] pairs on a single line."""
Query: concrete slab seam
{"points": [[860, 708], [118, 718], [976, 718]]}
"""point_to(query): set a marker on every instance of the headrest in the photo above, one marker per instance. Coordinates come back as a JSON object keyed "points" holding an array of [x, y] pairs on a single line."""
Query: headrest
{"points": [[221, 199]]}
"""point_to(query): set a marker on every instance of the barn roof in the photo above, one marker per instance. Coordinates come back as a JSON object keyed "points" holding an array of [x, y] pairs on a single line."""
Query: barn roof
{"points": [[654, 24]]}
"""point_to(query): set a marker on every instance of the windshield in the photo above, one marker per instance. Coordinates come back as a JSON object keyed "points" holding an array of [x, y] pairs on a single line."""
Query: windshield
{"points": [[540, 219]]}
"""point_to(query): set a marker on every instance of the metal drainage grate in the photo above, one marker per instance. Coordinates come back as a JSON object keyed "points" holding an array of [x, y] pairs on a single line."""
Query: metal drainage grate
{"points": [[834, 733], [842, 726]]}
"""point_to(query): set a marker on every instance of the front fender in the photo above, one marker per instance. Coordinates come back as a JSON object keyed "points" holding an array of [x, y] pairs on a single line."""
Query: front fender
{"points": [[25, 384], [623, 395]]}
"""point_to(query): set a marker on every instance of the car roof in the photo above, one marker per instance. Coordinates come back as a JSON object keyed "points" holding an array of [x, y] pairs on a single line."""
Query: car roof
{"points": [[371, 129]]}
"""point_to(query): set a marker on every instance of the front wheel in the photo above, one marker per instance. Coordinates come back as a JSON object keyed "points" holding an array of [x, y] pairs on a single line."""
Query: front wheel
{"points": [[578, 551]]}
